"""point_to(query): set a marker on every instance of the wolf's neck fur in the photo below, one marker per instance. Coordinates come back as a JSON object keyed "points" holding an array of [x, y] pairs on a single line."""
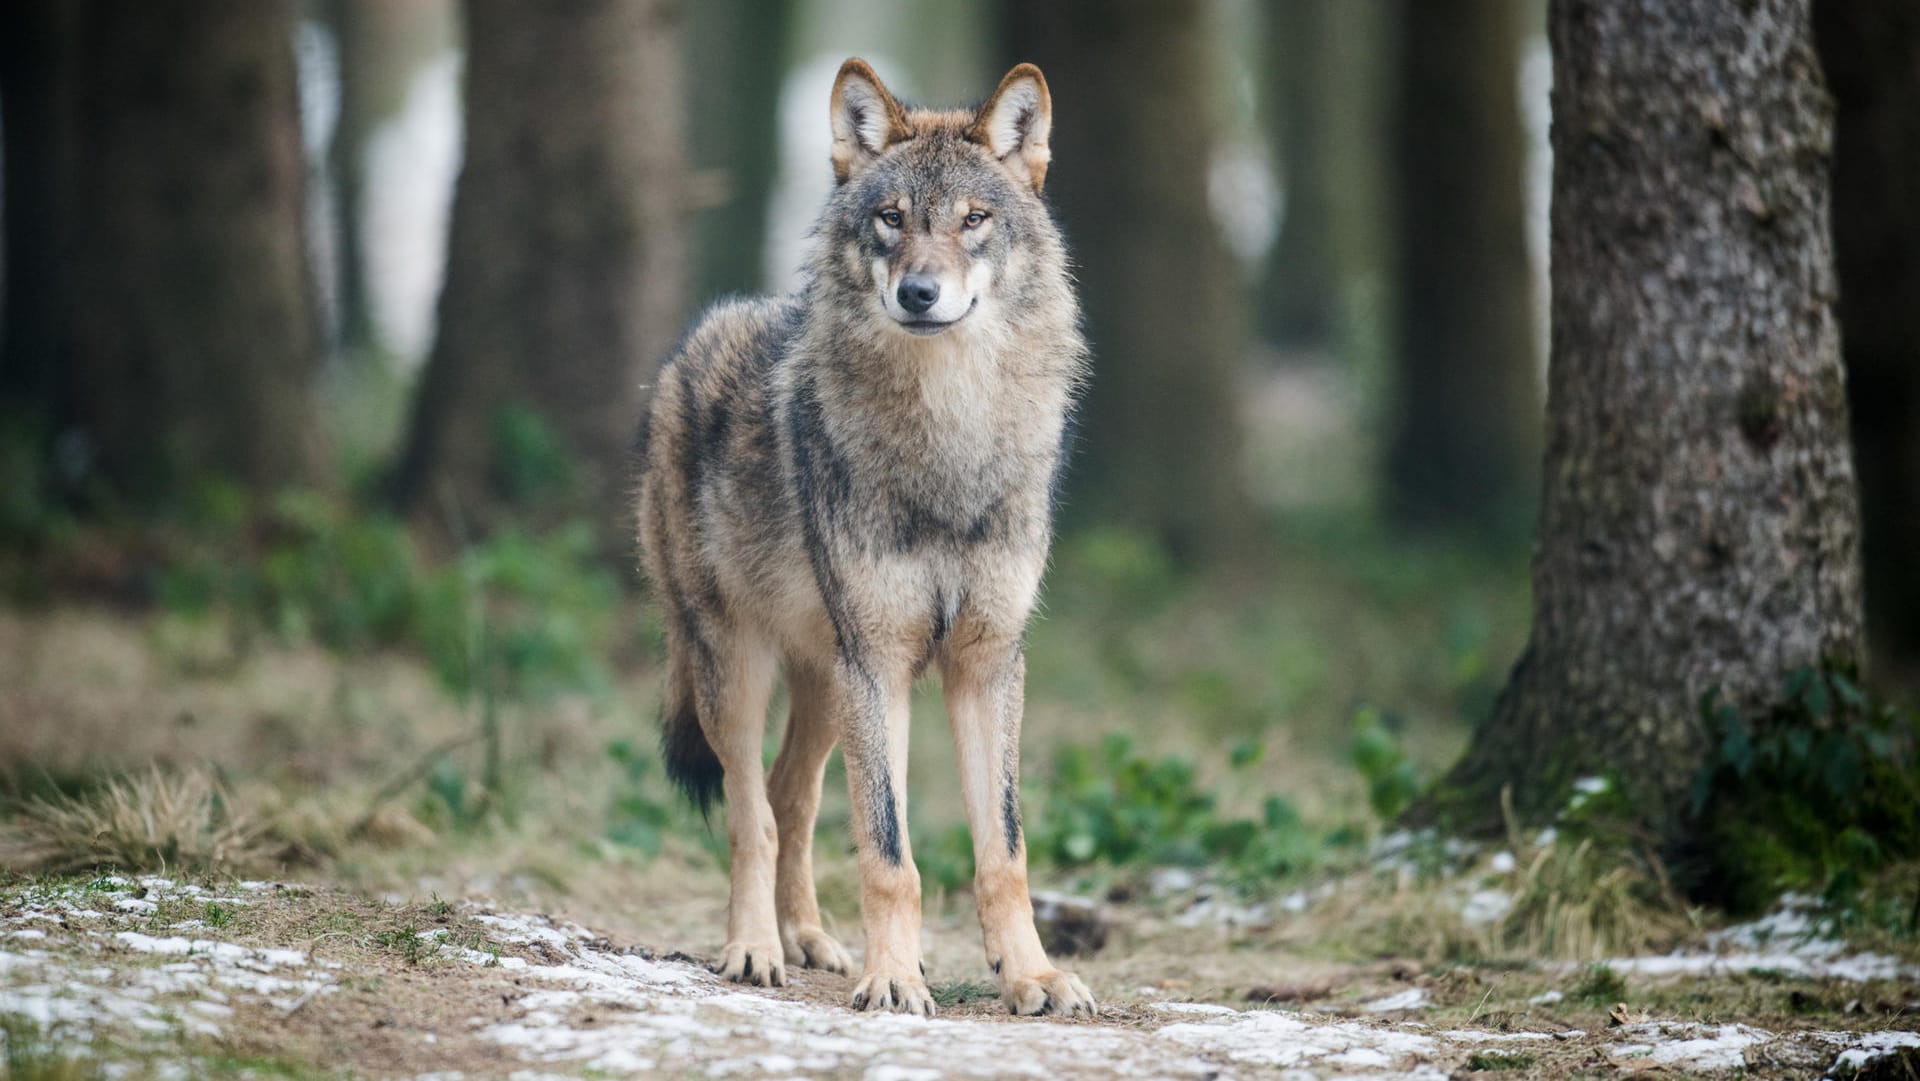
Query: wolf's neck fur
{"points": [[979, 399]]}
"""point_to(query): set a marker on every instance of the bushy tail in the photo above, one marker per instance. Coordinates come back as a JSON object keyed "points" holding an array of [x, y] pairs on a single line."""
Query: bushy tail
{"points": [[691, 764]]}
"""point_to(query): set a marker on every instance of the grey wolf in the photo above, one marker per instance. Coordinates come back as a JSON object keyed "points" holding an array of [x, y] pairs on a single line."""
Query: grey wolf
{"points": [[854, 483]]}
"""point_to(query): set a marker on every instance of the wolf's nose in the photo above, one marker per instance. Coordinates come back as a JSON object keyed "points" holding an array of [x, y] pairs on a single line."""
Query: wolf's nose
{"points": [[918, 292]]}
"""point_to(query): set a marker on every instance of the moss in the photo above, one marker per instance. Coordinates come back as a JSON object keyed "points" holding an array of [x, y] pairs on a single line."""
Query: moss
{"points": [[1817, 792]]}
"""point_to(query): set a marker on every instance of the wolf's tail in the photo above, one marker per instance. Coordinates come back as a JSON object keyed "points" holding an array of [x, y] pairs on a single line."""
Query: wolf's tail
{"points": [[691, 764]]}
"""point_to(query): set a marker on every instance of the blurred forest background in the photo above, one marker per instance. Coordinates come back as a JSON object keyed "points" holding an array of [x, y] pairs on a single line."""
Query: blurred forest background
{"points": [[327, 326]]}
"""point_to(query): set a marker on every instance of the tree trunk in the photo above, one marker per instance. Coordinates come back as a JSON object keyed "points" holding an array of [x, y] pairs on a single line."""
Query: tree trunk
{"points": [[563, 269], [346, 168], [1464, 435], [739, 47], [37, 55], [1300, 297], [1699, 524], [1133, 136], [194, 338], [1873, 65]]}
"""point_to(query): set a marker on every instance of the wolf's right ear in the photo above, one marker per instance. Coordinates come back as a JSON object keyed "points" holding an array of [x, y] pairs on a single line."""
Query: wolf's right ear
{"points": [[866, 119], [1014, 123]]}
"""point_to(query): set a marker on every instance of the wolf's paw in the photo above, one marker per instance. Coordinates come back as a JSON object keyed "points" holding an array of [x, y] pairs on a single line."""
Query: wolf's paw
{"points": [[899, 993], [743, 963], [1055, 992], [810, 947]]}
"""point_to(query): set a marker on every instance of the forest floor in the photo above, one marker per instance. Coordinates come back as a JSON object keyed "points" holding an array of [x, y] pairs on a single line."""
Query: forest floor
{"points": [[396, 926], [153, 976]]}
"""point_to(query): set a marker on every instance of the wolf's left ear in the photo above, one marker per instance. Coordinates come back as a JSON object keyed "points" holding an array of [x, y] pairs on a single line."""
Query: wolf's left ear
{"points": [[1014, 123], [866, 119]]}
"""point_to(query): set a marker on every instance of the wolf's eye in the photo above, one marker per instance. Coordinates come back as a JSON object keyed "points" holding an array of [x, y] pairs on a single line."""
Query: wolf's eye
{"points": [[976, 219], [891, 219]]}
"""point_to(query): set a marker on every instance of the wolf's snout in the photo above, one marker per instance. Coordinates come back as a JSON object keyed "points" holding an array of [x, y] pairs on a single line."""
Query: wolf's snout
{"points": [[918, 293]]}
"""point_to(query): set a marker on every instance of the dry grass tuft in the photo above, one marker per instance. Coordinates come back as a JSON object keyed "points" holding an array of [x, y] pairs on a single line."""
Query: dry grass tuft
{"points": [[1583, 902], [154, 821]]}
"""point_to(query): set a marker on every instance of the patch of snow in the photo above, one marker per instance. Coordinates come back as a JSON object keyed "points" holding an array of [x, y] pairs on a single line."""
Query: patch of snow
{"points": [[1871, 1045], [1412, 998], [1501, 863], [1545, 998], [1486, 906], [1699, 1047]]}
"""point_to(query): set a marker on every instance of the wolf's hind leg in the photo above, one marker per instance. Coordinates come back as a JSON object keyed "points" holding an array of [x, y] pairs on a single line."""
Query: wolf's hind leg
{"points": [[733, 713], [794, 790], [985, 684]]}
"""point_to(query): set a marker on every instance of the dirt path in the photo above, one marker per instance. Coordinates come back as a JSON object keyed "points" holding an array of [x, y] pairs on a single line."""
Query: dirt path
{"points": [[157, 977]]}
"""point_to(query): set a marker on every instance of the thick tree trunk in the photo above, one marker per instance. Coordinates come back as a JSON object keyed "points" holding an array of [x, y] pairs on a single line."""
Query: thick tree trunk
{"points": [[194, 338], [1300, 296], [1699, 523], [739, 47], [1132, 140], [37, 54], [1872, 49], [1465, 429], [564, 263]]}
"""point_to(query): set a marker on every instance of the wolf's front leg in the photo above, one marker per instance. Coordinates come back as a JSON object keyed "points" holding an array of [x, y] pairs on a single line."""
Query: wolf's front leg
{"points": [[733, 713], [873, 741], [985, 686]]}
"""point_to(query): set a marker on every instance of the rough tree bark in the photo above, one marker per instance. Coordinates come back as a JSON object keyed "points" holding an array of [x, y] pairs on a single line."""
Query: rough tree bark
{"points": [[739, 47], [1132, 139], [1699, 524], [1300, 296], [565, 258], [1872, 49], [193, 336], [1464, 438]]}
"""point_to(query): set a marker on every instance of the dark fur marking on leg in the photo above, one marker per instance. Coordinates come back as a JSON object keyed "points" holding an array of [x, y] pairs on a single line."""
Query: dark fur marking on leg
{"points": [[1010, 811], [886, 816]]}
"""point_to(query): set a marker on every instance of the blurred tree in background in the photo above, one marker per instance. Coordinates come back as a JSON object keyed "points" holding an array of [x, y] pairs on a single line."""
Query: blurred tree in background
{"points": [[36, 90], [1872, 54], [738, 52], [1699, 525], [565, 266], [1464, 431], [1133, 134], [156, 244], [1300, 295]]}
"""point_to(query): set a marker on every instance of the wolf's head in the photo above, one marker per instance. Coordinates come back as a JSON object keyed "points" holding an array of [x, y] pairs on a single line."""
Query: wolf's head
{"points": [[937, 215]]}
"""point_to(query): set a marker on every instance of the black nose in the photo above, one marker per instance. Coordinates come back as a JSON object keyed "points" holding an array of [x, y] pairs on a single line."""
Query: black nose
{"points": [[918, 292]]}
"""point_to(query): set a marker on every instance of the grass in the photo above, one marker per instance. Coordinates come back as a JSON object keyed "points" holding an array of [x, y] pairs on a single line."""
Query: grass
{"points": [[36, 1054], [156, 820], [960, 992], [1499, 1061]]}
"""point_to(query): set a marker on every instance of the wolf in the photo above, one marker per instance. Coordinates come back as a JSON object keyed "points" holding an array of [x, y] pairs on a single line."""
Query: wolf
{"points": [[854, 483]]}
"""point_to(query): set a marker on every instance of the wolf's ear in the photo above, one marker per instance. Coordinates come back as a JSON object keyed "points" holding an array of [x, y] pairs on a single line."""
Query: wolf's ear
{"points": [[866, 119], [1014, 123]]}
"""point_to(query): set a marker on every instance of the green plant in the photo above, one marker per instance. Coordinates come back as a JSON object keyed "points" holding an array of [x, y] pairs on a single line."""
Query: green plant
{"points": [[1392, 783], [1816, 791], [1498, 1060], [216, 915], [1119, 807], [1600, 985]]}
